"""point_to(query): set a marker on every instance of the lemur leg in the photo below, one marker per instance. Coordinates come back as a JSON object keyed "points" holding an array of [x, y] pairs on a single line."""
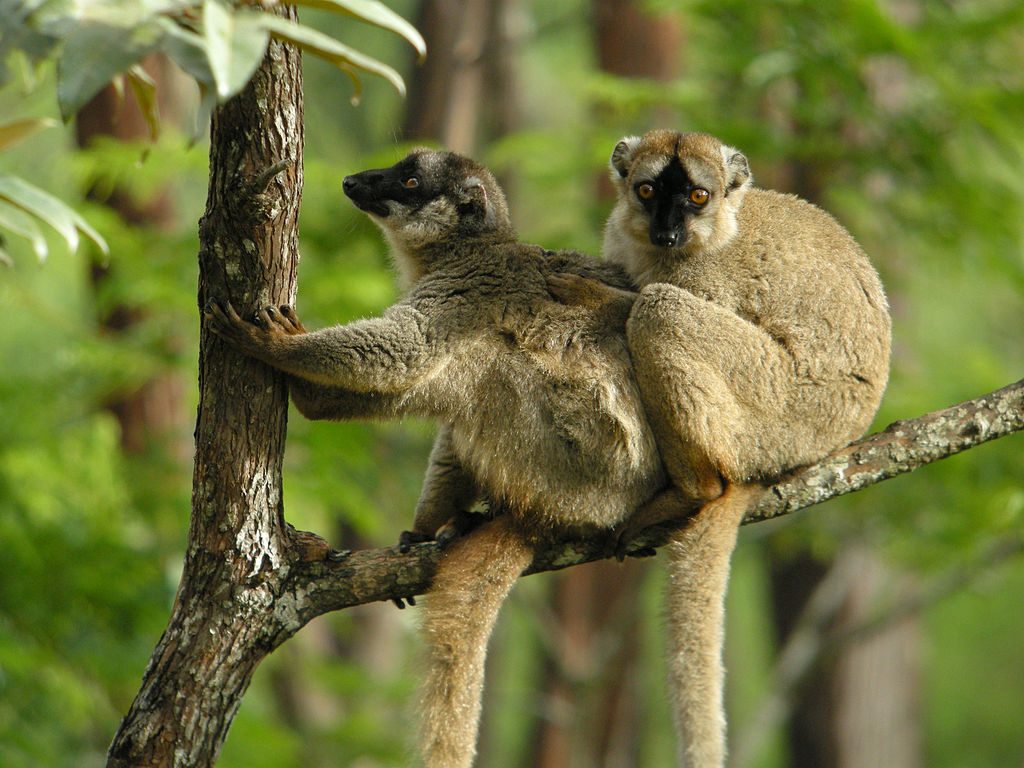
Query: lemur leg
{"points": [[713, 386], [472, 581], [449, 491], [716, 389]]}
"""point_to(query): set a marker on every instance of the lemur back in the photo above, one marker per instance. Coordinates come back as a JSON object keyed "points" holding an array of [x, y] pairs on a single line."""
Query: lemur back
{"points": [[538, 404]]}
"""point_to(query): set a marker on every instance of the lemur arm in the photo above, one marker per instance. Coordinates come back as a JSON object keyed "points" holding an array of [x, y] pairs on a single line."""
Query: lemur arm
{"points": [[382, 356], [322, 402]]}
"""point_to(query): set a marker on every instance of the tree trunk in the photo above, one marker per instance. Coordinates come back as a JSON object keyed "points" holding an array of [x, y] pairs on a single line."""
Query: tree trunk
{"points": [[465, 91], [630, 41], [223, 621], [151, 416], [877, 720]]}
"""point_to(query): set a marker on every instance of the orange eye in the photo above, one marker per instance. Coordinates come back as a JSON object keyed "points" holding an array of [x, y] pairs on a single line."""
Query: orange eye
{"points": [[699, 196], [645, 191], [411, 183]]}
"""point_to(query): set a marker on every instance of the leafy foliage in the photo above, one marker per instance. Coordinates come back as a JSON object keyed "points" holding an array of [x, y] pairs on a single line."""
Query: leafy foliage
{"points": [[906, 128], [99, 41]]}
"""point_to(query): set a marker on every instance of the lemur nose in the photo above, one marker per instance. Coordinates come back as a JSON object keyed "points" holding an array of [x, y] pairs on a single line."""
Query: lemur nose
{"points": [[349, 183]]}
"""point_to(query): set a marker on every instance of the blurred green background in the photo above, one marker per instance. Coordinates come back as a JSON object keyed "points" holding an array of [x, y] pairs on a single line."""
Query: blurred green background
{"points": [[902, 117]]}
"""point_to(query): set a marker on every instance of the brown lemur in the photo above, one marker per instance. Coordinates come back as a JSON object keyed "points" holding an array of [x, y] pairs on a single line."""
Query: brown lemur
{"points": [[538, 402], [760, 339]]}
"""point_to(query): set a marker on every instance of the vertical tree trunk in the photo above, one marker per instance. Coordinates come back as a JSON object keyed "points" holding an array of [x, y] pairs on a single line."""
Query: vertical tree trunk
{"points": [[471, 56], [878, 713], [809, 732], [149, 414], [220, 627], [630, 41]]}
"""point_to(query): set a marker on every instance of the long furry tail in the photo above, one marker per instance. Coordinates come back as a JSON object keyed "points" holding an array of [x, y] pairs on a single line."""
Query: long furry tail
{"points": [[471, 583], [699, 558]]}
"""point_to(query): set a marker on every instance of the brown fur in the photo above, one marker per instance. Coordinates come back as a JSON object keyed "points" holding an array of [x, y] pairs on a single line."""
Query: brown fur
{"points": [[760, 343], [760, 340], [538, 402]]}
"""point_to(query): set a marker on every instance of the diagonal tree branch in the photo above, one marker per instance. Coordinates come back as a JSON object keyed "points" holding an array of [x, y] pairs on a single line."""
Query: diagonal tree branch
{"points": [[385, 574]]}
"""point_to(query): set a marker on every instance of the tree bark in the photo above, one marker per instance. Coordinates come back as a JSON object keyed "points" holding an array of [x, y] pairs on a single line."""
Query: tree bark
{"points": [[239, 549], [904, 446]]}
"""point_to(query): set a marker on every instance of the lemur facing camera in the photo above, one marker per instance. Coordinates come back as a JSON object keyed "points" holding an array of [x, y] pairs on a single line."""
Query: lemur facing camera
{"points": [[760, 340], [539, 405]]}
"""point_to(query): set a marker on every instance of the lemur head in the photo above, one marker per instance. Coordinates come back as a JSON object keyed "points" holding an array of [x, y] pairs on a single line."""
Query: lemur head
{"points": [[430, 199], [678, 191]]}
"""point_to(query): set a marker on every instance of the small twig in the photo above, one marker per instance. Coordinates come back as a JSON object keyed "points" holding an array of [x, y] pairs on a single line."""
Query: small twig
{"points": [[259, 183]]}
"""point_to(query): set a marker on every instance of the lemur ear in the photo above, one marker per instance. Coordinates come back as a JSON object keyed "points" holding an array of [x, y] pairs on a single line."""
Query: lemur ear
{"points": [[737, 169], [476, 191], [622, 156]]}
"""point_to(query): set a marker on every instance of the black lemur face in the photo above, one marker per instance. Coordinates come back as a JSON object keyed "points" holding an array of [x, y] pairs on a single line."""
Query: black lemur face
{"points": [[669, 199], [403, 183], [429, 196]]}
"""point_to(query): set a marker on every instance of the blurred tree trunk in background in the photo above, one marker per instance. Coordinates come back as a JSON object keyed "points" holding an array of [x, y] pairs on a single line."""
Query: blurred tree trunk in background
{"points": [[148, 415], [633, 42], [878, 706], [593, 703], [465, 94], [861, 708], [809, 734]]}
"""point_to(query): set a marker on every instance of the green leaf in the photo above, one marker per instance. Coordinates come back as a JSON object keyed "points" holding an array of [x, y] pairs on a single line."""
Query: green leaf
{"points": [[235, 43], [20, 223], [376, 13], [19, 34], [207, 103], [93, 54], [16, 130], [49, 210], [144, 88], [330, 49], [187, 49]]}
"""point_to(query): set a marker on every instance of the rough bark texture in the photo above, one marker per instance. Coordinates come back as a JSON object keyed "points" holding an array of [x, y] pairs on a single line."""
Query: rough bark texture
{"points": [[383, 574], [239, 548]]}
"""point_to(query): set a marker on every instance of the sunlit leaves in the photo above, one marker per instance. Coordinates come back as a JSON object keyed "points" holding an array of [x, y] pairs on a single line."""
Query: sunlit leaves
{"points": [[376, 13], [16, 130], [234, 44], [218, 44], [96, 42], [326, 47], [144, 89], [18, 196]]}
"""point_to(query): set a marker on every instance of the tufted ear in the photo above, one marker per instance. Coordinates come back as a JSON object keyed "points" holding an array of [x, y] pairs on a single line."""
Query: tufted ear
{"points": [[622, 156], [476, 192], [737, 169]]}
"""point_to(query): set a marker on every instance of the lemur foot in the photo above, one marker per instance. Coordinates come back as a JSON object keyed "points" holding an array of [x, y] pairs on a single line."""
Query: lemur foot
{"points": [[577, 290], [458, 525], [406, 540], [284, 317]]}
